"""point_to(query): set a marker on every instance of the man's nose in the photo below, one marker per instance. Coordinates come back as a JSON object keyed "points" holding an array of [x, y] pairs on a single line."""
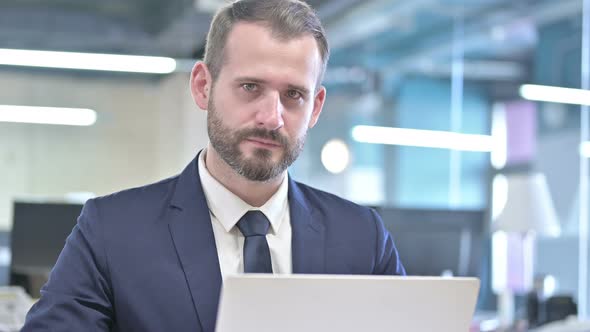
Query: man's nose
{"points": [[270, 114]]}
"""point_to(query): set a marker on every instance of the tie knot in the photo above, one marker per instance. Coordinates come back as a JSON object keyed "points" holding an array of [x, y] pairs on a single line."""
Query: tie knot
{"points": [[253, 223]]}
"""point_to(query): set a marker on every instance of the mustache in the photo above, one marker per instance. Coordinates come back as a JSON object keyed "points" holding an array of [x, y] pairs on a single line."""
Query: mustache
{"points": [[271, 135]]}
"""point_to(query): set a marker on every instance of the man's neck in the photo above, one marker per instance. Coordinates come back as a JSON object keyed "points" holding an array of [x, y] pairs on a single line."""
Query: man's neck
{"points": [[255, 193]]}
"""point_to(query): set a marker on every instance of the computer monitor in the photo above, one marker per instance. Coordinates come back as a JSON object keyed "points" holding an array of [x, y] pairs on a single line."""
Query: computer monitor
{"points": [[437, 242], [39, 232]]}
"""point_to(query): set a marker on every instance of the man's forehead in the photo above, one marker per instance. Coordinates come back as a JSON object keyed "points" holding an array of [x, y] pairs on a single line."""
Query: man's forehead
{"points": [[252, 46]]}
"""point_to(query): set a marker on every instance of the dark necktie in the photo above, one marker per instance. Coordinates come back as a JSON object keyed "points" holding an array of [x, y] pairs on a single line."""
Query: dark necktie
{"points": [[254, 225]]}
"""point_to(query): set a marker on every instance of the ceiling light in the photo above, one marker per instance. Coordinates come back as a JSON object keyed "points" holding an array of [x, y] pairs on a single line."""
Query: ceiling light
{"points": [[554, 94], [47, 115], [423, 138], [88, 61]]}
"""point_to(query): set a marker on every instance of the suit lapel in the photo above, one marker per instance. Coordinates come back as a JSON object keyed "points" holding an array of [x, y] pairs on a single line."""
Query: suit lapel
{"points": [[192, 234], [308, 242]]}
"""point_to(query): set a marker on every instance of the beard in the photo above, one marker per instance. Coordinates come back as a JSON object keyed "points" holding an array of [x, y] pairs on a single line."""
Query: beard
{"points": [[259, 167]]}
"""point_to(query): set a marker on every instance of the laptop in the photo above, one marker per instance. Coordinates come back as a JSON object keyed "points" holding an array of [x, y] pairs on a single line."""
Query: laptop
{"points": [[289, 303]]}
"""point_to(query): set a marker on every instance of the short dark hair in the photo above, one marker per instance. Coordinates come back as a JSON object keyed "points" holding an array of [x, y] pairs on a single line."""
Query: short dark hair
{"points": [[286, 19]]}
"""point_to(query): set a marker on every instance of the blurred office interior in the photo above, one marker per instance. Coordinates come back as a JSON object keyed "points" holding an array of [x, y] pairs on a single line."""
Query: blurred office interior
{"points": [[433, 116]]}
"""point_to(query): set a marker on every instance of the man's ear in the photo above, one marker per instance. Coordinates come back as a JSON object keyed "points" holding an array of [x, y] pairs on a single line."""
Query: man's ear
{"points": [[200, 85], [318, 104]]}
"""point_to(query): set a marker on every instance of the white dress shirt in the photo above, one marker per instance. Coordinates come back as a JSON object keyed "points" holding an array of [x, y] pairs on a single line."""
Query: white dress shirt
{"points": [[226, 209]]}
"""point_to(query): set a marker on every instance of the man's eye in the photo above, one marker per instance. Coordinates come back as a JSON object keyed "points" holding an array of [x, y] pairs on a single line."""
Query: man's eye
{"points": [[249, 87], [294, 94]]}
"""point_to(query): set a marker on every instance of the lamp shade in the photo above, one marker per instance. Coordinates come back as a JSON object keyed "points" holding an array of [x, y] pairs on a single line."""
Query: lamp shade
{"points": [[528, 207]]}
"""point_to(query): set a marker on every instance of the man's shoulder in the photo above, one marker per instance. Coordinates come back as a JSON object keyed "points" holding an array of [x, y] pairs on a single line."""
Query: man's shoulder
{"points": [[144, 197], [345, 220], [329, 202]]}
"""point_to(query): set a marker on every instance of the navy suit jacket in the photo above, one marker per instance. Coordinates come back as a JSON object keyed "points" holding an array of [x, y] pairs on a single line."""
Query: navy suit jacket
{"points": [[145, 259]]}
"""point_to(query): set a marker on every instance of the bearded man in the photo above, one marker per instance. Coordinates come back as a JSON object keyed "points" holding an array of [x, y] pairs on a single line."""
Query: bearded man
{"points": [[154, 258]]}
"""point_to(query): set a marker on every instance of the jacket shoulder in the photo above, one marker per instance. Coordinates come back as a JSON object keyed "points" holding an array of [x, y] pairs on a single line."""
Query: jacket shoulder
{"points": [[137, 200], [328, 203]]}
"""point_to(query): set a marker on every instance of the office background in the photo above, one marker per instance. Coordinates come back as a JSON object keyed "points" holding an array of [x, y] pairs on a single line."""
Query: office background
{"points": [[436, 65]]}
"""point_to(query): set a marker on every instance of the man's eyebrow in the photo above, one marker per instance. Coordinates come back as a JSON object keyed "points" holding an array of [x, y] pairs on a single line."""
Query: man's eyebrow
{"points": [[249, 79], [300, 88]]}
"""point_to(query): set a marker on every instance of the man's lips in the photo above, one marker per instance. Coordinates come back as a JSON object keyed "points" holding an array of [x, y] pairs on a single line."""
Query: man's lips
{"points": [[264, 142]]}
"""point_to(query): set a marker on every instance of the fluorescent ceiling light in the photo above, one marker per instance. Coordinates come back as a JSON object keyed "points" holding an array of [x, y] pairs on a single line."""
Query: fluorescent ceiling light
{"points": [[88, 61], [554, 94], [423, 138], [47, 115]]}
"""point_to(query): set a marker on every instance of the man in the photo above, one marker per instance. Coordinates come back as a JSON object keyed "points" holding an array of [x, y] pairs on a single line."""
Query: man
{"points": [[153, 258]]}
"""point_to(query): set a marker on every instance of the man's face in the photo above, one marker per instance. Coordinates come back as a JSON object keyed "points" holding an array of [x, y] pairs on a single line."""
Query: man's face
{"points": [[264, 101]]}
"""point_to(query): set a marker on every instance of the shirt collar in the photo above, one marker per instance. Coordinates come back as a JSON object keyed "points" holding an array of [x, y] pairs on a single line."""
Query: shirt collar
{"points": [[229, 208]]}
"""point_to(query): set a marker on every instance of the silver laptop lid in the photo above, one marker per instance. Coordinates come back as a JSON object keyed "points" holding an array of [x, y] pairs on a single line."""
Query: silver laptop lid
{"points": [[310, 303]]}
